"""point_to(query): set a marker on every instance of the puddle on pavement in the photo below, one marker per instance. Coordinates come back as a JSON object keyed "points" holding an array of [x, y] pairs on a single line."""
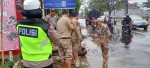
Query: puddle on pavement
{"points": [[93, 57], [119, 56]]}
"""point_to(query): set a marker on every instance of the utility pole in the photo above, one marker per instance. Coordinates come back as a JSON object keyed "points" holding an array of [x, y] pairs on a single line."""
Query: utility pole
{"points": [[114, 11], [114, 8], [2, 41], [126, 7]]}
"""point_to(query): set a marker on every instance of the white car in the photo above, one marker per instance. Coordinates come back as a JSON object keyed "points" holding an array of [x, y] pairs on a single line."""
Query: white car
{"points": [[139, 22]]}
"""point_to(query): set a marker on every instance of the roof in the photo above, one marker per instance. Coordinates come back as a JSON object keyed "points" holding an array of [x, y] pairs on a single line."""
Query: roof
{"points": [[132, 6]]}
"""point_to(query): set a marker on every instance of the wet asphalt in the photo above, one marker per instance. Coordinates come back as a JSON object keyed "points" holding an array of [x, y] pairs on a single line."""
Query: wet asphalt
{"points": [[135, 55]]}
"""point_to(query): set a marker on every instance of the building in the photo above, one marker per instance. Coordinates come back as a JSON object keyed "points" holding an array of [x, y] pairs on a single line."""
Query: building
{"points": [[132, 10]]}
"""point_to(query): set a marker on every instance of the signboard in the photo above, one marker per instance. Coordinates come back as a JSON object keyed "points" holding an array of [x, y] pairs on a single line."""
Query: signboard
{"points": [[11, 40], [63, 4]]}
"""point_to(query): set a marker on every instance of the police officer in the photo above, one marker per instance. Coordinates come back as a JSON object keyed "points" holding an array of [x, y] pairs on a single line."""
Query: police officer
{"points": [[51, 19], [35, 37]]}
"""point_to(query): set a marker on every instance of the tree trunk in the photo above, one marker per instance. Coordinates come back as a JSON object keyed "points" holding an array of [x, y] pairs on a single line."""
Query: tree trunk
{"points": [[110, 13], [100, 12]]}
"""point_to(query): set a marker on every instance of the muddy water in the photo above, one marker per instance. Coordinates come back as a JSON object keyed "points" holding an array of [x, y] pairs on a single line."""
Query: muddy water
{"points": [[93, 56], [137, 55]]}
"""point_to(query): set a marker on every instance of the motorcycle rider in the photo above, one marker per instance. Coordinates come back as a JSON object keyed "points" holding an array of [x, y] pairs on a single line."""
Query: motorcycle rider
{"points": [[93, 24], [126, 21], [110, 25], [105, 20], [115, 20]]}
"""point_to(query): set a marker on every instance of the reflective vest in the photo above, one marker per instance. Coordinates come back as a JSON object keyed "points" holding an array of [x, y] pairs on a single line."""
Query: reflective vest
{"points": [[36, 45]]}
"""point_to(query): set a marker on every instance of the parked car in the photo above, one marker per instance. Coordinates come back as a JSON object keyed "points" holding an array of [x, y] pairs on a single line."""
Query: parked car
{"points": [[139, 22]]}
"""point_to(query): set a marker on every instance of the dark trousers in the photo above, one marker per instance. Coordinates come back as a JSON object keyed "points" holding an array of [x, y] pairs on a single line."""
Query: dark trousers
{"points": [[50, 66]]}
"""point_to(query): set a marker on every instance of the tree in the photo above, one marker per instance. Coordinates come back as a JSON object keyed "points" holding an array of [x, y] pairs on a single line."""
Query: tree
{"points": [[146, 4], [85, 10], [106, 5], [98, 4], [136, 4], [78, 4]]}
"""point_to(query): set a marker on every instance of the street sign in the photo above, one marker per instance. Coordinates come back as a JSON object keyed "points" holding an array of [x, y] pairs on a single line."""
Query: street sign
{"points": [[60, 4]]}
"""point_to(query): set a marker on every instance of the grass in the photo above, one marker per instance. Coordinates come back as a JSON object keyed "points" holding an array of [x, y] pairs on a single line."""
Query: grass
{"points": [[8, 64]]}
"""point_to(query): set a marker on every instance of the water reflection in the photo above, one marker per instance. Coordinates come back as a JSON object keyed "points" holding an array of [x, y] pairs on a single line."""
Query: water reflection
{"points": [[126, 39]]}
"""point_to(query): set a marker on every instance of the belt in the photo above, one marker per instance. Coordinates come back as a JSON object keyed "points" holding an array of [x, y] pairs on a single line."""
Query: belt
{"points": [[65, 38]]}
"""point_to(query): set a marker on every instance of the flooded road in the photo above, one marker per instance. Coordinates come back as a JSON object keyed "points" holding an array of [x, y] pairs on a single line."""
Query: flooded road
{"points": [[137, 55]]}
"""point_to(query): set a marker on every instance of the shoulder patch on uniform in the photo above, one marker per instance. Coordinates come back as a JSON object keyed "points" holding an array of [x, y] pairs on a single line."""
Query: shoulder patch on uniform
{"points": [[29, 32]]}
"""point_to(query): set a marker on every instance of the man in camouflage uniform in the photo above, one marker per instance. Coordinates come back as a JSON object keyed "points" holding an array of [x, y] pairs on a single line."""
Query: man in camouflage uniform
{"points": [[64, 28], [76, 38], [103, 36]]}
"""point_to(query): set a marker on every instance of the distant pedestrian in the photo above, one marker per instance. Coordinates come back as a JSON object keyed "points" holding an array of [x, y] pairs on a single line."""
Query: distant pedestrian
{"points": [[105, 20], [76, 38], [51, 19], [147, 17], [115, 20], [93, 24], [103, 36], [35, 36], [64, 28]]}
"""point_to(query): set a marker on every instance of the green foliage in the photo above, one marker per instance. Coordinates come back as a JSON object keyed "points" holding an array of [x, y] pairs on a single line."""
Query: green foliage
{"points": [[106, 5], [86, 10], [8, 64], [119, 5], [136, 3], [146, 4], [98, 4], [78, 4]]}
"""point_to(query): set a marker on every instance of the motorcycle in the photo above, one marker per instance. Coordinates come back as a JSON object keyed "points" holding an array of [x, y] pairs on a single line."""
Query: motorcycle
{"points": [[88, 22], [110, 26], [94, 26], [126, 38], [127, 28]]}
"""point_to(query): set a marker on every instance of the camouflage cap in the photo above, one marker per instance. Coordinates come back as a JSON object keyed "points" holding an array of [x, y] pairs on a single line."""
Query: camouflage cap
{"points": [[99, 19]]}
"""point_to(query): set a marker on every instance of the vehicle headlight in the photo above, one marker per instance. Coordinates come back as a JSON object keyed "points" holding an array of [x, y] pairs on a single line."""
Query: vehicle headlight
{"points": [[133, 22], [146, 22]]}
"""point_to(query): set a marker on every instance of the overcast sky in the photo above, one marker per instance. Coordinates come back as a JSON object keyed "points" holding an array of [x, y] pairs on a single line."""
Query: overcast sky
{"points": [[139, 1]]}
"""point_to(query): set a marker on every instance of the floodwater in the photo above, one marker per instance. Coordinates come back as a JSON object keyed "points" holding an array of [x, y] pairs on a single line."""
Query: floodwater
{"points": [[134, 55]]}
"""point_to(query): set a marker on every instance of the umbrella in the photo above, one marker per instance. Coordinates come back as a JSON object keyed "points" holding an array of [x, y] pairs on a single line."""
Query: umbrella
{"points": [[94, 14]]}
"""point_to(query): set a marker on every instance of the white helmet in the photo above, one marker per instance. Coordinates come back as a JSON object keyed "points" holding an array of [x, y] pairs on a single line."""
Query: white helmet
{"points": [[127, 15], [31, 4]]}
